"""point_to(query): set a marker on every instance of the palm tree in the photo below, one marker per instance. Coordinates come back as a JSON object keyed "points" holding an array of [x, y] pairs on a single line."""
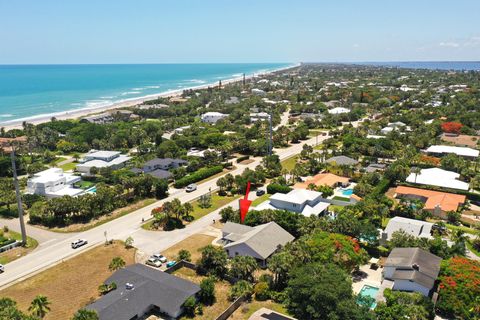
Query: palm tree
{"points": [[416, 170], [84, 314], [116, 264], [39, 306]]}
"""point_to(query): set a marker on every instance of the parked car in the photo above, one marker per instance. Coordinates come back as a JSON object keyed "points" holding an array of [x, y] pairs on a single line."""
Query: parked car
{"points": [[159, 257], [154, 262], [171, 264], [260, 192], [78, 243], [191, 187], [2, 268]]}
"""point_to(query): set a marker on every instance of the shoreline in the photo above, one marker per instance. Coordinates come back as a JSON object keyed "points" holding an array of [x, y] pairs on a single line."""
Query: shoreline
{"points": [[79, 113]]}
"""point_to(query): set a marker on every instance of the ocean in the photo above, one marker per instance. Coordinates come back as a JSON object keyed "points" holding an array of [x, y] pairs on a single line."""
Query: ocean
{"points": [[36, 91]]}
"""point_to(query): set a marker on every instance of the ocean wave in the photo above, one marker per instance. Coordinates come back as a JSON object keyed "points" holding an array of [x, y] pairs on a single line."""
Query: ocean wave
{"points": [[138, 89], [152, 87], [196, 81], [6, 115], [129, 92]]}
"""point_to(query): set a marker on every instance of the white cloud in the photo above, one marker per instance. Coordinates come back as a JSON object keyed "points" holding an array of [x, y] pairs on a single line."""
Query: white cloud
{"points": [[449, 44]]}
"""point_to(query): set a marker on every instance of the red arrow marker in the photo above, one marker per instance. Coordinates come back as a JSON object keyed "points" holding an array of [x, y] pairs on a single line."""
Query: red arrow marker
{"points": [[245, 204]]}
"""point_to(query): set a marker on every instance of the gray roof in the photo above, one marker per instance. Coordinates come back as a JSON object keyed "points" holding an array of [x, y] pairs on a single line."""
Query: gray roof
{"points": [[342, 160], [375, 167], [404, 260], [231, 227], [263, 239], [151, 288], [164, 162], [416, 228], [160, 174]]}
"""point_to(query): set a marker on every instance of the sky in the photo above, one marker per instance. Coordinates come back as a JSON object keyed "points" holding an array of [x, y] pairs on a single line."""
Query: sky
{"points": [[210, 31]]}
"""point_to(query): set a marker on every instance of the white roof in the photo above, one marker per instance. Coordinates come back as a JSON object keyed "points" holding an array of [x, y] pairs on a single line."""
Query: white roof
{"points": [[338, 110], [52, 174], [214, 114], [461, 151], [438, 177], [102, 164], [297, 196], [413, 227], [103, 154], [67, 191]]}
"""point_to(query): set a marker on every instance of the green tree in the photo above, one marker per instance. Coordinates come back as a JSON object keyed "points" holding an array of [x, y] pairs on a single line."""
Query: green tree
{"points": [[243, 268], [39, 306], [84, 314], [129, 242], [116, 264], [189, 307], [207, 291], [241, 288], [320, 291], [184, 255], [404, 305], [213, 261]]}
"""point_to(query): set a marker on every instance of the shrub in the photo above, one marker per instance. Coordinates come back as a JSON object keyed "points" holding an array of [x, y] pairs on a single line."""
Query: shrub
{"points": [[273, 188], [261, 291], [189, 307], [207, 291], [198, 175], [243, 158], [129, 243], [241, 289], [184, 255]]}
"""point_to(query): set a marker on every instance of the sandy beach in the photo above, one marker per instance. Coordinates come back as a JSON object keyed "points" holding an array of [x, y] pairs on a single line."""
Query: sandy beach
{"points": [[79, 113]]}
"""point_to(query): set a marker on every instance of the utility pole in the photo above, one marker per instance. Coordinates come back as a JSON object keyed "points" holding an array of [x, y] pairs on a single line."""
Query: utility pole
{"points": [[244, 80], [271, 133], [19, 198]]}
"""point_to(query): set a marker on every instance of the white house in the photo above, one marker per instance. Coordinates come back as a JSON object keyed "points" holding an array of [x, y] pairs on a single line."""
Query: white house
{"points": [[259, 242], [338, 110], [412, 269], [259, 92], [53, 183], [416, 228], [440, 150], [212, 117], [259, 116], [438, 177], [303, 201], [392, 126], [102, 159]]}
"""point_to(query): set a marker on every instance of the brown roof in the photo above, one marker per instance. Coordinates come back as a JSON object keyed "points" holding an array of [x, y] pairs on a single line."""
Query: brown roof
{"points": [[461, 139], [320, 179], [5, 143], [446, 201]]}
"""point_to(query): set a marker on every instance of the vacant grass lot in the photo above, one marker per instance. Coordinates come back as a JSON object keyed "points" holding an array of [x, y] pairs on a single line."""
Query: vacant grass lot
{"points": [[217, 202], [289, 163], [70, 285], [193, 244], [68, 166], [260, 199], [10, 255], [222, 288]]}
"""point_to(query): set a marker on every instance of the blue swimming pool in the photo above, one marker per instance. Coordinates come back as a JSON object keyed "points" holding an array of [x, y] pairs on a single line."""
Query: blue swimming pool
{"points": [[369, 291], [92, 190], [347, 192]]}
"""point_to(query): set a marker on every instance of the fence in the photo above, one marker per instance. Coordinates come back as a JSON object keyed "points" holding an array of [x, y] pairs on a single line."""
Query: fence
{"points": [[10, 246], [231, 309], [180, 265]]}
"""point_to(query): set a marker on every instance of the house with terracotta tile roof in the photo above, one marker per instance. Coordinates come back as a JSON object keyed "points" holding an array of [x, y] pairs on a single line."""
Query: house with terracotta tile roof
{"points": [[323, 179], [439, 203]]}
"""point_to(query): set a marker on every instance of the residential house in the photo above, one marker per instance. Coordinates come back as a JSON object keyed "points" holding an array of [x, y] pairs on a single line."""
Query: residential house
{"points": [[439, 151], [436, 202], [259, 116], [338, 110], [142, 289], [412, 270], [324, 179], [102, 159], [374, 167], [267, 314], [302, 201], [6, 143], [53, 183], [259, 92], [101, 118], [259, 242], [158, 168], [416, 228], [212, 117], [438, 177], [394, 126], [342, 161]]}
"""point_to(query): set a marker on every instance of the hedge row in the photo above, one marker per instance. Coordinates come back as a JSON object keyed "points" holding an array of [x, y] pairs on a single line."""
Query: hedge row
{"points": [[273, 188], [198, 175], [243, 158]]}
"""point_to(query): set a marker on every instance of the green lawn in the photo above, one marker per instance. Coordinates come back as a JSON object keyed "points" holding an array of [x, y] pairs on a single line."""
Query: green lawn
{"points": [[472, 249], [335, 208], [260, 199], [84, 184], [69, 166], [13, 254], [289, 163], [57, 160], [217, 202]]}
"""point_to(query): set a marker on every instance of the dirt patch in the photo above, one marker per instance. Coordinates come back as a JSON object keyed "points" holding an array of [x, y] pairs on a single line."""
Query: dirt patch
{"points": [[247, 161], [72, 284], [247, 309]]}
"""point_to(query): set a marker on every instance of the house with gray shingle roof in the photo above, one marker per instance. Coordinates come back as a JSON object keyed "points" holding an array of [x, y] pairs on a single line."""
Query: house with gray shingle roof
{"points": [[142, 289], [412, 269], [259, 242], [342, 161]]}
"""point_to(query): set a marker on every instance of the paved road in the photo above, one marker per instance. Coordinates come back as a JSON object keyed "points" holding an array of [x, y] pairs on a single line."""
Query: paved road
{"points": [[55, 251]]}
